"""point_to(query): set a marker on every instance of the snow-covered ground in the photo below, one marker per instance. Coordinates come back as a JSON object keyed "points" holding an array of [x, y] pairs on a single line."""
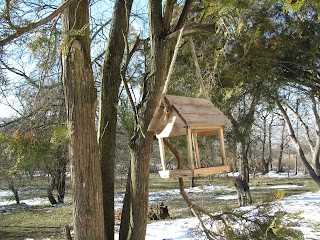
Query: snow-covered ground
{"points": [[307, 203]]}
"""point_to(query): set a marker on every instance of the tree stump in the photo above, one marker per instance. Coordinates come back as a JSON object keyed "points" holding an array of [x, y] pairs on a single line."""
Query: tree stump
{"points": [[160, 212]]}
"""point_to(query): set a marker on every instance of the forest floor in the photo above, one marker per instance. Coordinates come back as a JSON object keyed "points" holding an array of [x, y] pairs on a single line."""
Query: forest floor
{"points": [[35, 218]]}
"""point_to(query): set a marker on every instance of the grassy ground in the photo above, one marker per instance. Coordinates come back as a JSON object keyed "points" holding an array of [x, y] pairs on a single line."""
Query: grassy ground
{"points": [[20, 222]]}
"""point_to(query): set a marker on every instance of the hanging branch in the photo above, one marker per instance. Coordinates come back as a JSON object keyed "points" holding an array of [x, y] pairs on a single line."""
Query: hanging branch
{"points": [[173, 61], [165, 88], [198, 70], [192, 207]]}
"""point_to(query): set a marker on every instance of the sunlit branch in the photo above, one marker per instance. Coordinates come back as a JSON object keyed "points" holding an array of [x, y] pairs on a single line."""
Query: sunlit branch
{"points": [[22, 30]]}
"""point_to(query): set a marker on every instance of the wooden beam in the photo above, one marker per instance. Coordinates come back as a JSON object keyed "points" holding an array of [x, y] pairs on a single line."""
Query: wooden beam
{"points": [[178, 173], [223, 151], [211, 170], [168, 128], [196, 149], [202, 133], [190, 152], [162, 154], [188, 101]]}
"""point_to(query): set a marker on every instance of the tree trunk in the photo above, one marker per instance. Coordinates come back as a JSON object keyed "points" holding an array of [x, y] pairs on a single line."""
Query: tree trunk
{"points": [[265, 164], [270, 145], [15, 192], [50, 189], [141, 142], [140, 150], [60, 172], [124, 231], [245, 162], [80, 98], [280, 167], [110, 84]]}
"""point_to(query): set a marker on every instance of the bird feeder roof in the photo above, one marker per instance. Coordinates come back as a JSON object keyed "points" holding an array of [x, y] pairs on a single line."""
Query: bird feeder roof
{"points": [[184, 112]]}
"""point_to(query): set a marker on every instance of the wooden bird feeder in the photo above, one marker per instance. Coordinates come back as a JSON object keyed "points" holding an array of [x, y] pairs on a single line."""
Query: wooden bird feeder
{"points": [[193, 118]]}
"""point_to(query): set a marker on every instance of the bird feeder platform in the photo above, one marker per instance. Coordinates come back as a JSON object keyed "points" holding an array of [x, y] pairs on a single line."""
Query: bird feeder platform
{"points": [[193, 118]]}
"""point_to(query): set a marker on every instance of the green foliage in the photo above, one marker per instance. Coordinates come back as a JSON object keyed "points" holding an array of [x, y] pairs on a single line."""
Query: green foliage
{"points": [[280, 229], [61, 135], [275, 195], [265, 222], [293, 5], [127, 116], [24, 152]]}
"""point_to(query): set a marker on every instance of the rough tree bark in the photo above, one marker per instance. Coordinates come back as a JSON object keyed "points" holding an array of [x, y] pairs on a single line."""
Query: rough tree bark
{"points": [[111, 79], [80, 98], [135, 218]]}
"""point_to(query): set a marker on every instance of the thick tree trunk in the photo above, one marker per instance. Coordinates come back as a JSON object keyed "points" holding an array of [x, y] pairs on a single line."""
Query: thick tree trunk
{"points": [[80, 98], [140, 150], [141, 142], [110, 84], [124, 231]]}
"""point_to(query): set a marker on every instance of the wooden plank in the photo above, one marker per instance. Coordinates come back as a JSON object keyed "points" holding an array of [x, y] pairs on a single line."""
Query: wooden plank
{"points": [[178, 173], [196, 149], [202, 133], [162, 123], [211, 170], [162, 154], [176, 132], [155, 119], [188, 100], [206, 120], [222, 147], [198, 172], [190, 153], [168, 128], [194, 109]]}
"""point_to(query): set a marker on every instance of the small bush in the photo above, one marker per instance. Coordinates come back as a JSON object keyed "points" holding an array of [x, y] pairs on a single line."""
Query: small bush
{"points": [[275, 195], [264, 222]]}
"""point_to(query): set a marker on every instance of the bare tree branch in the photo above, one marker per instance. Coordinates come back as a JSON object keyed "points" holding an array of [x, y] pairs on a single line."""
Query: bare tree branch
{"points": [[191, 29], [168, 14], [22, 30], [304, 126], [184, 14]]}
